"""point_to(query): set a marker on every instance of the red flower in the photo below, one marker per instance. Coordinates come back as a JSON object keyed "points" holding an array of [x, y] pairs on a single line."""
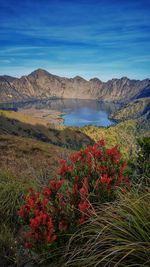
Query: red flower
{"points": [[36, 235], [75, 189], [106, 180], [84, 189], [46, 191], [44, 202], [62, 226], [54, 237], [33, 223], [28, 245], [20, 212], [83, 206], [101, 142], [56, 211], [56, 184], [62, 162]]}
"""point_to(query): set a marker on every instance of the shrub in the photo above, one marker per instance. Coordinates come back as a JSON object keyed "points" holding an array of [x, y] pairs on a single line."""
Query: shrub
{"points": [[92, 175]]}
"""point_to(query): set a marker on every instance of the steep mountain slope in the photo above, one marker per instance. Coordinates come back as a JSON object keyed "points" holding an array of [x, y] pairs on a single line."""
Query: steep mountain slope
{"points": [[41, 84], [8, 92]]}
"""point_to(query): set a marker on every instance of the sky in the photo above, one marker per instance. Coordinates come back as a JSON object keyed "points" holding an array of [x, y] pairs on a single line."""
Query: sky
{"points": [[105, 39]]}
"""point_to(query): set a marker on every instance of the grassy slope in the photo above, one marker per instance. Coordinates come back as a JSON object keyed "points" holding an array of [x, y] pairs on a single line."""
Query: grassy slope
{"points": [[30, 161], [23, 153], [23, 118], [19, 125], [132, 110], [123, 134], [28, 158]]}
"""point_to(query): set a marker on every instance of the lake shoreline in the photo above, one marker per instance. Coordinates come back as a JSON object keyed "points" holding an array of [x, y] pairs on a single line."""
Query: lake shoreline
{"points": [[67, 112]]}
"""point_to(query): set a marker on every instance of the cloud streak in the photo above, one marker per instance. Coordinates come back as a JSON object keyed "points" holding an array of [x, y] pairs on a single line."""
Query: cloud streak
{"points": [[102, 38]]}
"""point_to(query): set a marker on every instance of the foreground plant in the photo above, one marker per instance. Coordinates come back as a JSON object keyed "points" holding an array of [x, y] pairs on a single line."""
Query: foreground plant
{"points": [[91, 176], [118, 235]]}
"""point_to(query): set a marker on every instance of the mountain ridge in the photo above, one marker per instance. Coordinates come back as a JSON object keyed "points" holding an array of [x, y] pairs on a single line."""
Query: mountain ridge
{"points": [[40, 84]]}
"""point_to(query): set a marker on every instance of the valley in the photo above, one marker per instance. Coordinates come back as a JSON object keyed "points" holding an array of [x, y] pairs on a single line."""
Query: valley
{"points": [[44, 119]]}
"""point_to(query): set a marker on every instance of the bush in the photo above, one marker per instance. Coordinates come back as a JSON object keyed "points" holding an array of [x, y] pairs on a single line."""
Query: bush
{"points": [[93, 175], [118, 235]]}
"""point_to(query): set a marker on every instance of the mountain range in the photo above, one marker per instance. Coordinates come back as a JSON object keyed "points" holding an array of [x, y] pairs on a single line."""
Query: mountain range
{"points": [[40, 84]]}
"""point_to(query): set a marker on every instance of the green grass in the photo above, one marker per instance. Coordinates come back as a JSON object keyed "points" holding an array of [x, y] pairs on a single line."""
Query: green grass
{"points": [[8, 246], [11, 192], [123, 134]]}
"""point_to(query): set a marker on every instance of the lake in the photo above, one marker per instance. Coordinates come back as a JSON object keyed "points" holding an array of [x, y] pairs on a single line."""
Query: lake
{"points": [[74, 112], [86, 113]]}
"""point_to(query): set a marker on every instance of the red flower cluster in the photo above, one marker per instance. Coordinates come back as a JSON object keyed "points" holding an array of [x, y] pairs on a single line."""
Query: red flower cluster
{"points": [[103, 169], [34, 213], [92, 175]]}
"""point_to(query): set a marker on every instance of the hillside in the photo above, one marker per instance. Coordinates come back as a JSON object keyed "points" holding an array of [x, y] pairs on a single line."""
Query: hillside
{"points": [[28, 158], [133, 110], [30, 154], [18, 124], [41, 85]]}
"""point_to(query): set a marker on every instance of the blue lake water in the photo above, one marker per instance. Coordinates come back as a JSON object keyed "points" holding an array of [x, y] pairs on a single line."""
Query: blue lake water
{"points": [[85, 116], [86, 112], [75, 112]]}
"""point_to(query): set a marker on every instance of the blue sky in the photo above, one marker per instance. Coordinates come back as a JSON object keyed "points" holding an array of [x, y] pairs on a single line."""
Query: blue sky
{"points": [[105, 39]]}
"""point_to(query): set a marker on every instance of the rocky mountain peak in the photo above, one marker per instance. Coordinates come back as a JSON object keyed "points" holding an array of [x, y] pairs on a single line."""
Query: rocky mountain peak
{"points": [[79, 78], [124, 78], [41, 84], [39, 72], [95, 80], [7, 78]]}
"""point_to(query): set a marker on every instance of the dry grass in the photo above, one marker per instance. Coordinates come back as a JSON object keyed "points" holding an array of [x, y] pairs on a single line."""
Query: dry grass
{"points": [[118, 235], [25, 157], [11, 124], [23, 117]]}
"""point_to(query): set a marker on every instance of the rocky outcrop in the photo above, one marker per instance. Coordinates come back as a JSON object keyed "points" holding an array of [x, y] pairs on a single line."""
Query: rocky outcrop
{"points": [[40, 84]]}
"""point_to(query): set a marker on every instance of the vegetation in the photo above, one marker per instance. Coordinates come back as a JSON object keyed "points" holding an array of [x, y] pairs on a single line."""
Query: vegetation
{"points": [[122, 134], [28, 158], [94, 175], [82, 211], [133, 110], [11, 191], [12, 124], [117, 235], [18, 116]]}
